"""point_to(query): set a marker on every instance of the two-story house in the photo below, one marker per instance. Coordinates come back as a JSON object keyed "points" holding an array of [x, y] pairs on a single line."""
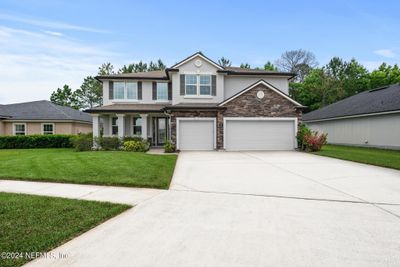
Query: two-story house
{"points": [[201, 105]]}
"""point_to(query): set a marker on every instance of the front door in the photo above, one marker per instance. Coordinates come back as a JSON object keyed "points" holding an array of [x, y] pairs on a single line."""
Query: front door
{"points": [[161, 133]]}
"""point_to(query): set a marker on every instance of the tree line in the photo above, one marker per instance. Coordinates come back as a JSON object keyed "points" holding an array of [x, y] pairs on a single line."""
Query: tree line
{"points": [[313, 86]]}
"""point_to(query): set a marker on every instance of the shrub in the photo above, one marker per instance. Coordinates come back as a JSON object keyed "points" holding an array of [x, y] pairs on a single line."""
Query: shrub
{"points": [[133, 138], [169, 147], [303, 131], [82, 142], [35, 141], [314, 141], [136, 146], [109, 143]]}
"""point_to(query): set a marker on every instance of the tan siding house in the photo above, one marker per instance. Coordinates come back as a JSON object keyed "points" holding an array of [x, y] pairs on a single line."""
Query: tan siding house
{"points": [[42, 117]]}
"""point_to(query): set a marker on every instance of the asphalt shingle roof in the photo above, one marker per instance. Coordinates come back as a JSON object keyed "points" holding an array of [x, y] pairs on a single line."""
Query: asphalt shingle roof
{"points": [[42, 110], [377, 100]]}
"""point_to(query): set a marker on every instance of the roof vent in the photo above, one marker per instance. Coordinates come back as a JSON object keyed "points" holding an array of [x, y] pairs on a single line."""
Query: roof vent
{"points": [[379, 88]]}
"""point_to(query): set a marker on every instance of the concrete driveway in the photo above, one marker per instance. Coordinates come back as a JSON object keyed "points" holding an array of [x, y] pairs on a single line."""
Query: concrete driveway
{"points": [[253, 209]]}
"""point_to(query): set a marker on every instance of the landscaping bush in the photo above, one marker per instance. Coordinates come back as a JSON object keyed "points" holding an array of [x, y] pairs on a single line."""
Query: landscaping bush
{"points": [[133, 138], [169, 147], [35, 141], [303, 131], [314, 141], [82, 142], [136, 146], [109, 143]]}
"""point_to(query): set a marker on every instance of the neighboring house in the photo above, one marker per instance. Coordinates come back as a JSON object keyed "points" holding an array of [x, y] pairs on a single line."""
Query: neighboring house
{"points": [[200, 105], [370, 118], [42, 117]]}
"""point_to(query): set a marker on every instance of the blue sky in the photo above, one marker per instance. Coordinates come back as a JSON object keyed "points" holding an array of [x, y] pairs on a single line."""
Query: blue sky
{"points": [[45, 44]]}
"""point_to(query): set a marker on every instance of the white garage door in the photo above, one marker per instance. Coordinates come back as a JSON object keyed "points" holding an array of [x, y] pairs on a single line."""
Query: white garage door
{"points": [[260, 135], [196, 134]]}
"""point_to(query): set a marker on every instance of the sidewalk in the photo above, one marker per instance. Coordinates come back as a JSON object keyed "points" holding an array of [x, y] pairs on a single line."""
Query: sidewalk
{"points": [[122, 195]]}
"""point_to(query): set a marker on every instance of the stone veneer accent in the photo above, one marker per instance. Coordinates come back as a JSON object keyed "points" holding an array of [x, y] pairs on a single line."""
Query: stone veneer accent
{"points": [[245, 105], [249, 105]]}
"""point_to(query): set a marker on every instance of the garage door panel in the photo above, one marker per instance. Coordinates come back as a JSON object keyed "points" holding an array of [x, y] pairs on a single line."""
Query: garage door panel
{"points": [[196, 135], [259, 135]]}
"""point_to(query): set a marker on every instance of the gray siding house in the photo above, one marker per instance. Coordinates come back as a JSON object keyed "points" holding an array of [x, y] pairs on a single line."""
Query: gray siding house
{"points": [[370, 118], [198, 104]]}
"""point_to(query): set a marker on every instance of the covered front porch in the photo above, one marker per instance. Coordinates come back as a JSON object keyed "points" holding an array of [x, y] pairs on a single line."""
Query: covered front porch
{"points": [[154, 127]]}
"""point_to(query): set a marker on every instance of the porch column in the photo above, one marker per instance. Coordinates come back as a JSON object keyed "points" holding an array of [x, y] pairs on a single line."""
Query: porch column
{"points": [[144, 126], [96, 128], [121, 125]]}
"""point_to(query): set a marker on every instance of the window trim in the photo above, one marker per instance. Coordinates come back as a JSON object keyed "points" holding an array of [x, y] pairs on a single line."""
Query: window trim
{"points": [[48, 123], [198, 84], [125, 92], [134, 125], [158, 99], [19, 123], [112, 125]]}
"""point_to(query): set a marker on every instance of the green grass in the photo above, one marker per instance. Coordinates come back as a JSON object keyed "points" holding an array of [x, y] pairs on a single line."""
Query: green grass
{"points": [[373, 156], [91, 167], [38, 224]]}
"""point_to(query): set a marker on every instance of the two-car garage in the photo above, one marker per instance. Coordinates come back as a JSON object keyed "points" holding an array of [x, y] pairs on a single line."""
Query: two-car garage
{"points": [[250, 133]]}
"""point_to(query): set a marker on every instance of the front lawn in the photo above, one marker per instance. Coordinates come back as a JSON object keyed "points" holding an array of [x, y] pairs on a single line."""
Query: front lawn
{"points": [[373, 156], [31, 224], [90, 167]]}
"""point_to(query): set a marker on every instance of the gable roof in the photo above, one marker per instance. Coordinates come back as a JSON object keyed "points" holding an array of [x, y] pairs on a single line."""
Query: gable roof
{"points": [[43, 110], [383, 99], [268, 85], [197, 54]]}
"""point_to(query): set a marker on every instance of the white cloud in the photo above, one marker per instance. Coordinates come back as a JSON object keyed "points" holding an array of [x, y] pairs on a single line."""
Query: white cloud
{"points": [[385, 53], [48, 24], [33, 64], [53, 33]]}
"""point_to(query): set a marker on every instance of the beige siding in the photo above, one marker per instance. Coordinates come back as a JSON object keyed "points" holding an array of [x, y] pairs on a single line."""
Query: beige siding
{"points": [[190, 68], [235, 84], [59, 128], [1, 128], [376, 131]]}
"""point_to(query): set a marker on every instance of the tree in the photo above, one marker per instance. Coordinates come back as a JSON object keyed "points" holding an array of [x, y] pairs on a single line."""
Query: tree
{"points": [[127, 68], [245, 66], [336, 80], [64, 97], [159, 65], [106, 69], [270, 66], [299, 62], [90, 93], [224, 62], [384, 75]]}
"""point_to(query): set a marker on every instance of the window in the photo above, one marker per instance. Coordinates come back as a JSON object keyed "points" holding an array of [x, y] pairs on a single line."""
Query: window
{"points": [[162, 91], [125, 90], [20, 129], [205, 85], [198, 85], [190, 84], [137, 126], [119, 88], [114, 126], [48, 128], [131, 90]]}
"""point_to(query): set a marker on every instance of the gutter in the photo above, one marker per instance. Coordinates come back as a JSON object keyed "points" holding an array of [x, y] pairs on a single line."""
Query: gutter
{"points": [[354, 116]]}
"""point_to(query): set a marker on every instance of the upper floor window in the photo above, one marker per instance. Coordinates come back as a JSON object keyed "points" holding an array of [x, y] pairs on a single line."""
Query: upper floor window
{"points": [[19, 129], [48, 128], [125, 90], [162, 91], [198, 85]]}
